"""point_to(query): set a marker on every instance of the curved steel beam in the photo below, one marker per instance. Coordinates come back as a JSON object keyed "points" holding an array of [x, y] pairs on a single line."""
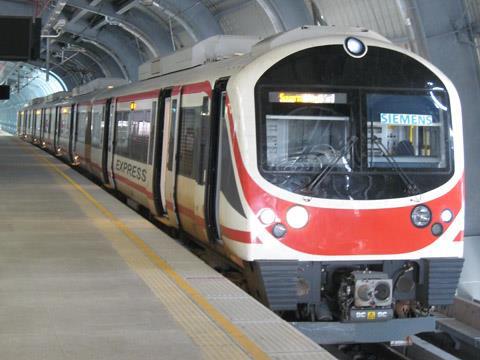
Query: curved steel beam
{"points": [[111, 54], [285, 15], [143, 28], [103, 58], [101, 65], [272, 15], [118, 43], [179, 19], [84, 63], [192, 13]]}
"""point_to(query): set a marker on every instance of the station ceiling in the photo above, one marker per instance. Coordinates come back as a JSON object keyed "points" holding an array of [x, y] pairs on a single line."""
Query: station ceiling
{"points": [[111, 38]]}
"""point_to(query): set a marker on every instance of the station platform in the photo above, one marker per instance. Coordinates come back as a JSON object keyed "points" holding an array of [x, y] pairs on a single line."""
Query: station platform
{"points": [[82, 276]]}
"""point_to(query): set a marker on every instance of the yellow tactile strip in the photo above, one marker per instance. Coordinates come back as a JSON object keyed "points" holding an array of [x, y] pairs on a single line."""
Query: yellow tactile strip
{"points": [[216, 336]]}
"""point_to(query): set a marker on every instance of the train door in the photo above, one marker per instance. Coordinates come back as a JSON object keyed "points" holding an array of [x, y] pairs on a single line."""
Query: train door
{"points": [[41, 126], [191, 149], [200, 156], [160, 157], [44, 128], [56, 130], [73, 136], [88, 136], [212, 182], [28, 131], [19, 122], [100, 135], [36, 116], [167, 182], [49, 116], [110, 124]]}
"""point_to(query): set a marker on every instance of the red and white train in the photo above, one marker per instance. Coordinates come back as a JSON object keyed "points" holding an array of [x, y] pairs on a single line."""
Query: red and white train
{"points": [[327, 162]]}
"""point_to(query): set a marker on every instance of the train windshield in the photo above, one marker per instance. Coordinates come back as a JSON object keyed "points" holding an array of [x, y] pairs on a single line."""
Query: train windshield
{"points": [[306, 137], [364, 138], [410, 130]]}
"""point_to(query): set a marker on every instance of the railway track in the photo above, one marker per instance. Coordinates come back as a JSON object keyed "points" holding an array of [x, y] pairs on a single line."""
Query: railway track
{"points": [[418, 349]]}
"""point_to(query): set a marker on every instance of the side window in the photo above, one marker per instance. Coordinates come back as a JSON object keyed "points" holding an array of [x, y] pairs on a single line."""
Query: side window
{"points": [[121, 146], [152, 132], [139, 134], [96, 126], [193, 140], [81, 124], [65, 123], [171, 137], [203, 140], [187, 140], [133, 133], [46, 122]]}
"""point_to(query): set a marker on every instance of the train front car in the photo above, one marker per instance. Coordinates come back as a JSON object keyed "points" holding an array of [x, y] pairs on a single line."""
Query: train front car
{"points": [[348, 208]]}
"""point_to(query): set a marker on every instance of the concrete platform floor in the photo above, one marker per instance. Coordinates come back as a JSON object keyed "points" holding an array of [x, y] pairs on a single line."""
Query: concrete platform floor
{"points": [[81, 278], [65, 293]]}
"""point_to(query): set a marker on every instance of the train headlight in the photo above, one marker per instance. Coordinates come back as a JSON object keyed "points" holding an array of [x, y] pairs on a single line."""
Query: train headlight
{"points": [[446, 215], [355, 47], [267, 216], [421, 216], [297, 217]]}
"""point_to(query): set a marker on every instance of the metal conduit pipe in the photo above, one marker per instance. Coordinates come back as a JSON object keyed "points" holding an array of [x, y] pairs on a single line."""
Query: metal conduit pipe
{"points": [[110, 53], [416, 35], [272, 14], [178, 19]]}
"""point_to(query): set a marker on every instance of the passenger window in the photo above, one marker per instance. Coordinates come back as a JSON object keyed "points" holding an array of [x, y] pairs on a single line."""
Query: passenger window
{"points": [[171, 137], [133, 132], [139, 134], [152, 133], [97, 125], [193, 140], [121, 146], [81, 124], [187, 140]]}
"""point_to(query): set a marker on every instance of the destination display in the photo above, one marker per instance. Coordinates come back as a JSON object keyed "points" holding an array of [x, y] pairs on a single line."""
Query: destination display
{"points": [[307, 98]]}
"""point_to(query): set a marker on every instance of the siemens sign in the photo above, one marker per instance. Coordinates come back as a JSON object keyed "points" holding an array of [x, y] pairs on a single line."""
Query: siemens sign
{"points": [[406, 119]]}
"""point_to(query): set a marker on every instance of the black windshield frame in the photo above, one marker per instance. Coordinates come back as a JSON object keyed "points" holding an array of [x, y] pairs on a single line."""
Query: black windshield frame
{"points": [[358, 126], [329, 69]]}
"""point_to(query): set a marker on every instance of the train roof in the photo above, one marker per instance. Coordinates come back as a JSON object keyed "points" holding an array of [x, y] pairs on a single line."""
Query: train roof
{"points": [[213, 58]]}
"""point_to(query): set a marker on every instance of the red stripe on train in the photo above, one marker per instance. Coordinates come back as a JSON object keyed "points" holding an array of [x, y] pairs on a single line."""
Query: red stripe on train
{"points": [[245, 237], [133, 185], [140, 96], [459, 237], [333, 231], [196, 88]]}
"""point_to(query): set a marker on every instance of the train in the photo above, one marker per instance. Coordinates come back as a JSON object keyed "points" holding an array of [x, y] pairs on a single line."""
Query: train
{"points": [[326, 162]]}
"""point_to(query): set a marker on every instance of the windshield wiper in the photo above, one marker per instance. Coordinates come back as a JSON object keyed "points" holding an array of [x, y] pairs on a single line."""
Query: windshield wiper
{"points": [[318, 179], [412, 188]]}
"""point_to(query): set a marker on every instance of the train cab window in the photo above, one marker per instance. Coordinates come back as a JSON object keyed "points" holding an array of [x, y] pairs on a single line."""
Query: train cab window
{"points": [[306, 131], [407, 129]]}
